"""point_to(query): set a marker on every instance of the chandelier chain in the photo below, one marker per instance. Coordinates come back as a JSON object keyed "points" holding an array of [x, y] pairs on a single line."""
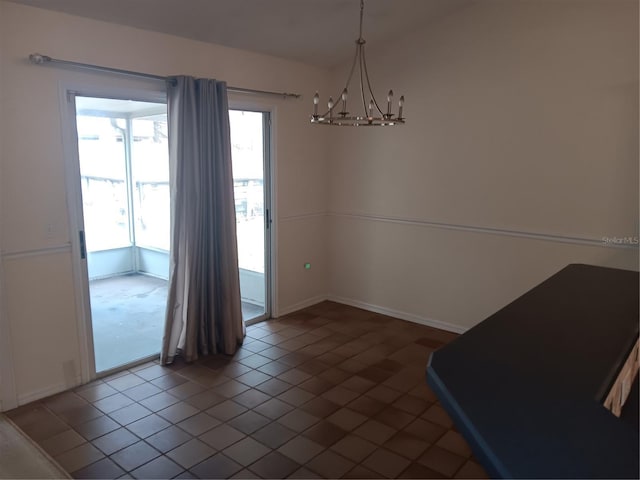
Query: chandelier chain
{"points": [[361, 15]]}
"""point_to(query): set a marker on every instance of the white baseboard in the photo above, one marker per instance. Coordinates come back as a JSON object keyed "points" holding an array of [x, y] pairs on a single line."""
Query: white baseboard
{"points": [[410, 317], [32, 396], [300, 305]]}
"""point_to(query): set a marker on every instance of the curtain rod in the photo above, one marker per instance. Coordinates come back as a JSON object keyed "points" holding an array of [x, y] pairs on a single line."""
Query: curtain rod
{"points": [[40, 59]]}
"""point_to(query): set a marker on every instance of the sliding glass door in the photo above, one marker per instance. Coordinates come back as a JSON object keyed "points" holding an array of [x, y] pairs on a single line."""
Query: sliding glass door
{"points": [[121, 207], [250, 134], [124, 176]]}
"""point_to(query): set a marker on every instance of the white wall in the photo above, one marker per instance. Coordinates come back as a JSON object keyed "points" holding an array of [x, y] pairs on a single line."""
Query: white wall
{"points": [[37, 263], [7, 387], [522, 117], [520, 154]]}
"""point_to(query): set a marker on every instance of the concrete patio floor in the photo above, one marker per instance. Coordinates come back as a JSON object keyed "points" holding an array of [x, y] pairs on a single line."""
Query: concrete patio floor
{"points": [[128, 318]]}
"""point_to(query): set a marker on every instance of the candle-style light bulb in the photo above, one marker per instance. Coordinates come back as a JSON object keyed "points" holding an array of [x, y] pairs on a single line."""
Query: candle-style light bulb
{"points": [[400, 105], [330, 104], [389, 98], [316, 99], [371, 108], [344, 101]]}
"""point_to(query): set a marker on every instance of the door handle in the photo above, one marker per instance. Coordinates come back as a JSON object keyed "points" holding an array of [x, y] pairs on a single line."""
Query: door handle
{"points": [[83, 245], [268, 218]]}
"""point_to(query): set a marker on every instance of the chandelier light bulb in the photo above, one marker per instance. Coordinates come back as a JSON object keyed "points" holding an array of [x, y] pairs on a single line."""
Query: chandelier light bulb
{"points": [[316, 99], [330, 103], [344, 103]]}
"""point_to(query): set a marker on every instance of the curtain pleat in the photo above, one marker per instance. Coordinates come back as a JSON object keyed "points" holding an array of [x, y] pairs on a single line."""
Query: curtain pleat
{"points": [[204, 312]]}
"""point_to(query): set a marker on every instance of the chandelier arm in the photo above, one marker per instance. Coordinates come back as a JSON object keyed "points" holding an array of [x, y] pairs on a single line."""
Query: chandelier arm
{"points": [[366, 74], [364, 100], [353, 66]]}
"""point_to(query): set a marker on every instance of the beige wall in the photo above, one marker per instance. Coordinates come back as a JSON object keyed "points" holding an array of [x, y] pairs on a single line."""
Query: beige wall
{"points": [[520, 153], [6, 366], [37, 264]]}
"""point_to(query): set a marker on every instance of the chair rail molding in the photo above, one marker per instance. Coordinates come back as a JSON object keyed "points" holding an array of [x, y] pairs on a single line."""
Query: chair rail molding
{"points": [[625, 242], [35, 252]]}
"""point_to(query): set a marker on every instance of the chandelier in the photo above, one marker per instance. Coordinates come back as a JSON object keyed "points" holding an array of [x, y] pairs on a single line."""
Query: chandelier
{"points": [[372, 114]]}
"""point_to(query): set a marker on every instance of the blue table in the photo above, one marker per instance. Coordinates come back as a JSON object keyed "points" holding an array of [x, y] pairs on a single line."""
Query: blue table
{"points": [[525, 386]]}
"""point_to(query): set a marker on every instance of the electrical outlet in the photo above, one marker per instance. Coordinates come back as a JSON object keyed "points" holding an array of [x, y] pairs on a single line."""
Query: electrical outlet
{"points": [[49, 230]]}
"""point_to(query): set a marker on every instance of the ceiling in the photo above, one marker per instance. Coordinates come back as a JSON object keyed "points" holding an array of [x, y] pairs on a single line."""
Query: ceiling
{"points": [[316, 32]]}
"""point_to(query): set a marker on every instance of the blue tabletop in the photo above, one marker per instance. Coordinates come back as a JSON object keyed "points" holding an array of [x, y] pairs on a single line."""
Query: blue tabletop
{"points": [[526, 386]]}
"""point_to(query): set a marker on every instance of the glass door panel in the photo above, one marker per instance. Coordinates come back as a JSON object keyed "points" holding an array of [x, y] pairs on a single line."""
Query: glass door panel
{"points": [[249, 148], [124, 172]]}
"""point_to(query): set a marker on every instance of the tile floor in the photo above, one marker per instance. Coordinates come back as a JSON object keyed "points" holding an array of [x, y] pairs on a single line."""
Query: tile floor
{"points": [[327, 392]]}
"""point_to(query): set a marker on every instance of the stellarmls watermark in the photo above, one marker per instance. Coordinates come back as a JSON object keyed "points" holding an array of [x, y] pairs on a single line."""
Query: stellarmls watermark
{"points": [[620, 240]]}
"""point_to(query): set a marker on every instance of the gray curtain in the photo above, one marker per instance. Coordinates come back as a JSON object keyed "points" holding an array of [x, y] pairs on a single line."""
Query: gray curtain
{"points": [[204, 312]]}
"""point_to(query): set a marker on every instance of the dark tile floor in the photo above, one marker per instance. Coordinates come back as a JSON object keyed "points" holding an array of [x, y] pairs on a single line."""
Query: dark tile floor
{"points": [[327, 392]]}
